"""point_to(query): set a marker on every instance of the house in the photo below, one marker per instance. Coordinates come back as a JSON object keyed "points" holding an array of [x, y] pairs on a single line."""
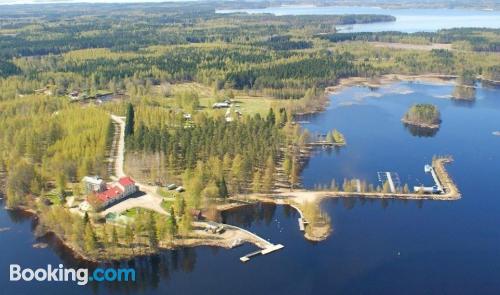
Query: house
{"points": [[93, 184]]}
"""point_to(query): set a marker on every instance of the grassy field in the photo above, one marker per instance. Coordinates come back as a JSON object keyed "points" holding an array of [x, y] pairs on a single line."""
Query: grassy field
{"points": [[244, 102]]}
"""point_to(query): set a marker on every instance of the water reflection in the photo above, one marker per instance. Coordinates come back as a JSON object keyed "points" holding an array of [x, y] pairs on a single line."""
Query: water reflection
{"points": [[469, 103], [421, 131], [252, 214]]}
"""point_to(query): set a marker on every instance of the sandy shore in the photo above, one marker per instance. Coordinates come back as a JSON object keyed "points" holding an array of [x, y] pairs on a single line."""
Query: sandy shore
{"points": [[388, 79]]}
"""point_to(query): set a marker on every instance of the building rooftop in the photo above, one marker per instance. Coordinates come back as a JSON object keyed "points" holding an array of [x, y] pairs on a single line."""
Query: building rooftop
{"points": [[93, 179], [109, 194], [125, 181]]}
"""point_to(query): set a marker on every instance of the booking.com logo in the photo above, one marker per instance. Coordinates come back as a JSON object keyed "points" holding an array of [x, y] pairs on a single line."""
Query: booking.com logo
{"points": [[80, 275]]}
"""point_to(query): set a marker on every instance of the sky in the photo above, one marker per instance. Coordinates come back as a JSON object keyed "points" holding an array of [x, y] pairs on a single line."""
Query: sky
{"points": [[11, 2]]}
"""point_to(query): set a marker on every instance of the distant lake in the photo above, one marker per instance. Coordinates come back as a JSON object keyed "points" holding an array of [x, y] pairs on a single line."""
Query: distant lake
{"points": [[407, 20], [377, 246]]}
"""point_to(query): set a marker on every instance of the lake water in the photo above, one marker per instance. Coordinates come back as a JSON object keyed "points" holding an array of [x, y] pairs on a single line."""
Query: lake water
{"points": [[407, 20], [377, 247]]}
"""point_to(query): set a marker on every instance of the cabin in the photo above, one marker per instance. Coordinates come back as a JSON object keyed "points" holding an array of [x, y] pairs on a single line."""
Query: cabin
{"points": [[93, 184]]}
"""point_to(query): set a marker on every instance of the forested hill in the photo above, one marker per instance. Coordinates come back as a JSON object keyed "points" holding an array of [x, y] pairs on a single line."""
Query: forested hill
{"points": [[53, 29]]}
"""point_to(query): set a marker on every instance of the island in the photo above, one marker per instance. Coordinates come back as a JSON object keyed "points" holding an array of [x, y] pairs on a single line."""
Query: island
{"points": [[423, 115]]}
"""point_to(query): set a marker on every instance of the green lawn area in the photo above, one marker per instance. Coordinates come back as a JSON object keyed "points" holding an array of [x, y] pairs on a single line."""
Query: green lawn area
{"points": [[247, 104]]}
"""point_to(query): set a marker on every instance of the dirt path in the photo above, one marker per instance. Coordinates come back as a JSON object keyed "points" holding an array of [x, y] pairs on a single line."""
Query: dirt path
{"points": [[150, 200], [120, 149]]}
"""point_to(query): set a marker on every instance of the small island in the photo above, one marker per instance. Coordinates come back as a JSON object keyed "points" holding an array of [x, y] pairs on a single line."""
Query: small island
{"points": [[423, 115], [465, 90]]}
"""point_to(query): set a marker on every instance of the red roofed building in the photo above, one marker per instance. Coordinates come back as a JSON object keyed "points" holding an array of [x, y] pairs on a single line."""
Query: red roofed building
{"points": [[127, 184], [113, 193], [110, 195]]}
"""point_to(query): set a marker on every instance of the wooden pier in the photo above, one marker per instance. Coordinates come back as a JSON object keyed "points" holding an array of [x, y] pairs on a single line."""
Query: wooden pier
{"points": [[264, 251], [265, 246]]}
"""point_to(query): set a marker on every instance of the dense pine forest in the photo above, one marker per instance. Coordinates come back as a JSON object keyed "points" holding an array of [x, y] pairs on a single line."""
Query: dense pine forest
{"points": [[144, 51]]}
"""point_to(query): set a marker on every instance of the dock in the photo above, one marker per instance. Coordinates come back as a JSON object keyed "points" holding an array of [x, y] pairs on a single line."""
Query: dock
{"points": [[265, 246], [391, 183], [437, 188], [264, 251], [302, 224]]}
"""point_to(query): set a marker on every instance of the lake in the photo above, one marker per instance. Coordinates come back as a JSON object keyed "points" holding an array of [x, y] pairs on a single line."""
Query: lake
{"points": [[377, 247], [407, 20]]}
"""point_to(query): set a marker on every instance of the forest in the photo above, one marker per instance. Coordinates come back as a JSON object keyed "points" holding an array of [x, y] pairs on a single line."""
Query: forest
{"points": [[163, 66]]}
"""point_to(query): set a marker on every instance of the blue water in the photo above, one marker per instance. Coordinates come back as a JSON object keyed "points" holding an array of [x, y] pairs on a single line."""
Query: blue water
{"points": [[377, 247], [407, 20]]}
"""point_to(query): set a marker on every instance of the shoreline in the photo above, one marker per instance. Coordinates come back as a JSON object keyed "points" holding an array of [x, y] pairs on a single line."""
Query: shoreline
{"points": [[294, 198], [297, 199], [388, 79], [421, 125], [233, 236]]}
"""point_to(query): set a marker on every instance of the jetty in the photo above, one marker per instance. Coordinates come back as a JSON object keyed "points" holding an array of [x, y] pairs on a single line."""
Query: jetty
{"points": [[265, 246], [298, 198], [302, 221]]}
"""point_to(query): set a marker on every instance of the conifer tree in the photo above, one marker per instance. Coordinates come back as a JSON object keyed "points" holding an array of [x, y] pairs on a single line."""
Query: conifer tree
{"points": [[130, 120]]}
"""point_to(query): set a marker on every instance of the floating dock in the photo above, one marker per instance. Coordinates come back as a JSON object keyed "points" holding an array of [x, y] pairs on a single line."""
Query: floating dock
{"points": [[391, 183], [392, 178]]}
